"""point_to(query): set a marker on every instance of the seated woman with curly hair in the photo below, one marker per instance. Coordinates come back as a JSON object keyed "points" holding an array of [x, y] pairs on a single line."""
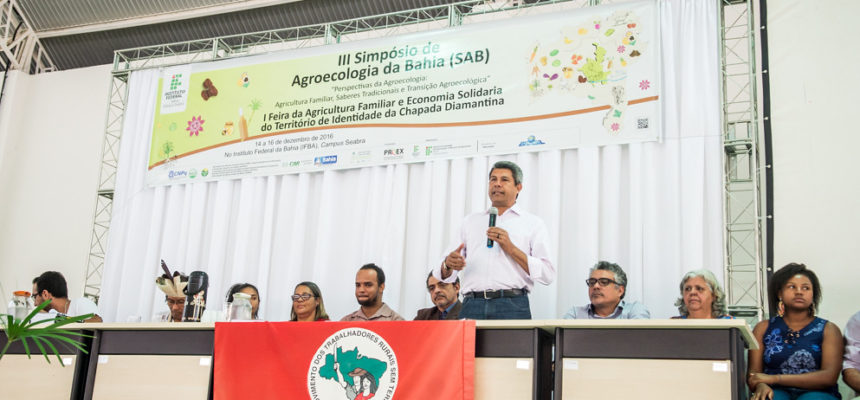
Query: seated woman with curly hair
{"points": [[799, 355]]}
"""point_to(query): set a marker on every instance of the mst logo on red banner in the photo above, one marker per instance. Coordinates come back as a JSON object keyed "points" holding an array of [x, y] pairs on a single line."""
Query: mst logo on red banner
{"points": [[380, 360], [353, 364]]}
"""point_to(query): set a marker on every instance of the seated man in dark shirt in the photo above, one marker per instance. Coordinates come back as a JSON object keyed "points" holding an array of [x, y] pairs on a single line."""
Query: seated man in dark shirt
{"points": [[445, 296]]}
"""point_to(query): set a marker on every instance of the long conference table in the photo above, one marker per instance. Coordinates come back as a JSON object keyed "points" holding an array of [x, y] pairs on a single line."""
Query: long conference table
{"points": [[520, 359]]}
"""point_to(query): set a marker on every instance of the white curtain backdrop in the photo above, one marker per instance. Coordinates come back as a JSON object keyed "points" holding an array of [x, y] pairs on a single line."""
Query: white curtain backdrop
{"points": [[654, 208]]}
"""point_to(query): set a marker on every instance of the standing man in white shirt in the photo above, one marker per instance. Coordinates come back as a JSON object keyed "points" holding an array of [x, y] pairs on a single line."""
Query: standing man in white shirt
{"points": [[51, 285], [496, 280]]}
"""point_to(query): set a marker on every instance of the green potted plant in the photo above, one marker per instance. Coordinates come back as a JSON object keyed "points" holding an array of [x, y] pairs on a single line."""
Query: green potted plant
{"points": [[41, 332]]}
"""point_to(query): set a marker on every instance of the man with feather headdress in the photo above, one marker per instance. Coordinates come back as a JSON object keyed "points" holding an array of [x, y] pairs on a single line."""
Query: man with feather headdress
{"points": [[173, 285]]}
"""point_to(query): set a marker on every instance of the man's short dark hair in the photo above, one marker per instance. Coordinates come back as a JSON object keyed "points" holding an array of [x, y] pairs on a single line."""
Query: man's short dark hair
{"points": [[515, 169], [427, 281], [53, 282], [380, 275]]}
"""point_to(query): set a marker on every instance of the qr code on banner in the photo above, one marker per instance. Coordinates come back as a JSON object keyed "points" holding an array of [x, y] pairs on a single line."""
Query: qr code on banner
{"points": [[642, 123]]}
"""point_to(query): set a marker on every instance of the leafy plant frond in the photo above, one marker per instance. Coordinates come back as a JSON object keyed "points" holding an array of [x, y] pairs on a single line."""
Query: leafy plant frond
{"points": [[41, 332]]}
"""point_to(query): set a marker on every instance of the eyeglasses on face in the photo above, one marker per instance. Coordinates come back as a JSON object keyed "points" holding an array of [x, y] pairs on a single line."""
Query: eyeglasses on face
{"points": [[303, 297], [603, 281], [171, 302]]}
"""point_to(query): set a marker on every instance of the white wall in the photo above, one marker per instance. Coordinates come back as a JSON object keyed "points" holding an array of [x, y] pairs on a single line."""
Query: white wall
{"points": [[51, 130], [816, 144]]}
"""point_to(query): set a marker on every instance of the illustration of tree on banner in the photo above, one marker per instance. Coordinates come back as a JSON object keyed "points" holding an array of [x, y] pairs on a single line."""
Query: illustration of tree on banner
{"points": [[167, 149], [255, 105]]}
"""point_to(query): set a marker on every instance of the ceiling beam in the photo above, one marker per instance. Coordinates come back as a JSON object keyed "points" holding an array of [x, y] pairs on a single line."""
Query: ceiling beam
{"points": [[161, 18]]}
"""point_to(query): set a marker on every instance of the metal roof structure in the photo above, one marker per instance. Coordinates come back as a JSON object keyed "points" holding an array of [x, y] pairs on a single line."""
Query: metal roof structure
{"points": [[83, 33]]}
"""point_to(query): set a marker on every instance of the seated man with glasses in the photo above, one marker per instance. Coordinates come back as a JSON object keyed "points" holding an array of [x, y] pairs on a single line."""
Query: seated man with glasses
{"points": [[51, 285], [606, 288], [176, 304], [445, 298], [173, 285]]}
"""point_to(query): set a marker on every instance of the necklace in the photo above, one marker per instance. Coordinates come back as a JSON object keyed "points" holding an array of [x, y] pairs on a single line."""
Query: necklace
{"points": [[65, 309], [791, 336]]}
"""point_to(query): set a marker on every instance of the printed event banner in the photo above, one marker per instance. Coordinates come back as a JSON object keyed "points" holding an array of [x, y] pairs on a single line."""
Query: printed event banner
{"points": [[345, 360], [582, 77]]}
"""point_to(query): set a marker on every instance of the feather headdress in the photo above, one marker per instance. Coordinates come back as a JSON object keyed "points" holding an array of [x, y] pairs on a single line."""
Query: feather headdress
{"points": [[171, 284]]}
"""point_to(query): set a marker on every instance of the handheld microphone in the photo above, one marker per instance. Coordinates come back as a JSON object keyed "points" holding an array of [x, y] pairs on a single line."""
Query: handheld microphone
{"points": [[493, 213]]}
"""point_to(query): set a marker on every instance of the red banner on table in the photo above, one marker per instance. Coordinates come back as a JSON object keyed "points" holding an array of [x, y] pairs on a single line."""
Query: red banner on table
{"points": [[345, 360]]}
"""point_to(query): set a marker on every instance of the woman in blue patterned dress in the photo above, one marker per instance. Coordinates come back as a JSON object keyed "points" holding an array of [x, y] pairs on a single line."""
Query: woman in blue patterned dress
{"points": [[799, 355]]}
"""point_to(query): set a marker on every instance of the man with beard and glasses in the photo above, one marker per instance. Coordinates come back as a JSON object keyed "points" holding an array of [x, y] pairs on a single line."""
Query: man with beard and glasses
{"points": [[607, 286], [51, 285], [369, 285], [446, 300]]}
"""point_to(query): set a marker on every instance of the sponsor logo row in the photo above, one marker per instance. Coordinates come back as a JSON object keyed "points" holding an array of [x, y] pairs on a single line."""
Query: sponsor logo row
{"points": [[361, 157], [189, 173]]}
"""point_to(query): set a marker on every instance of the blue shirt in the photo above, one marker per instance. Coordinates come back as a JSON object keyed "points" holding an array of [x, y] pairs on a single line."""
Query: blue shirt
{"points": [[790, 352], [444, 314], [624, 310]]}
